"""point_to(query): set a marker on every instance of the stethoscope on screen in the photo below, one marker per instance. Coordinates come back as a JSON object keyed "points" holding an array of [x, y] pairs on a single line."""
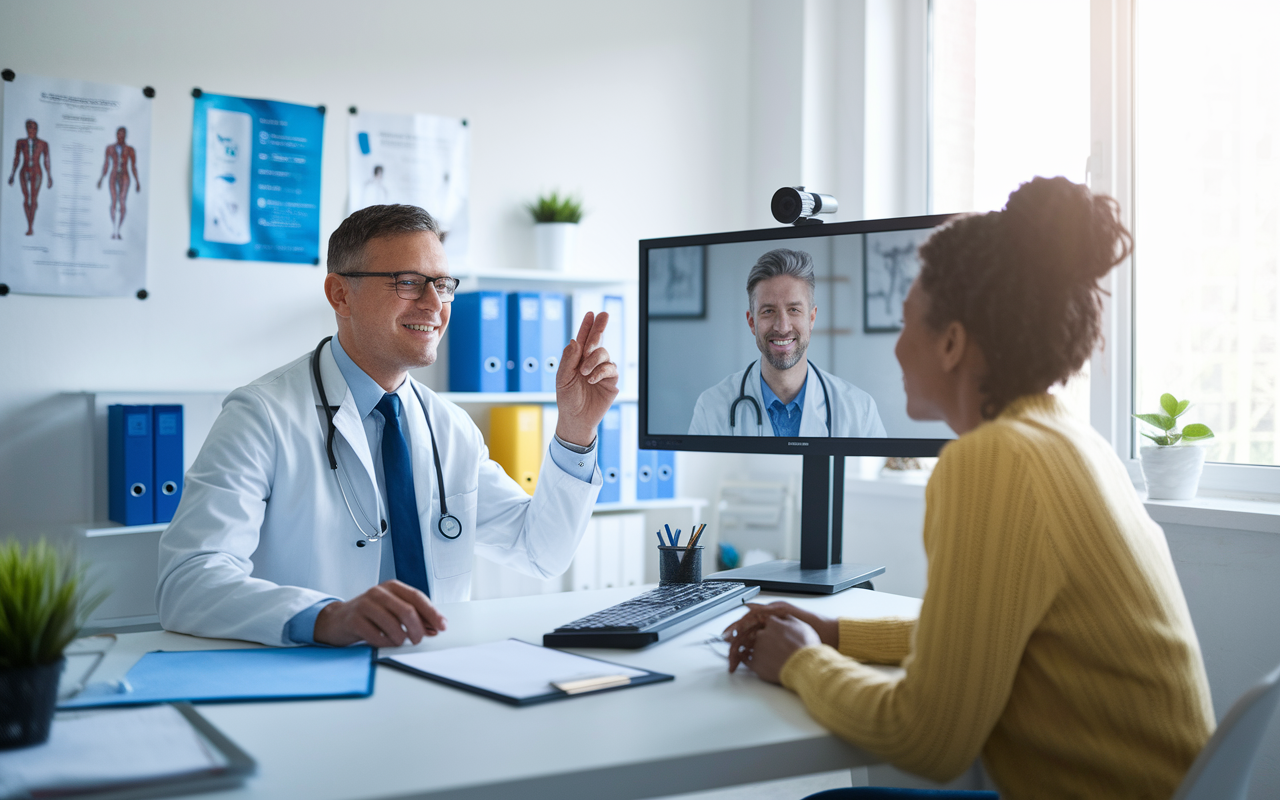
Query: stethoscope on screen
{"points": [[449, 526], [742, 395]]}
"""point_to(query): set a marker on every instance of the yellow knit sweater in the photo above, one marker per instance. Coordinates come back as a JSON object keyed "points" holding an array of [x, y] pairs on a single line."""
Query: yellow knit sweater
{"points": [[1053, 639]]}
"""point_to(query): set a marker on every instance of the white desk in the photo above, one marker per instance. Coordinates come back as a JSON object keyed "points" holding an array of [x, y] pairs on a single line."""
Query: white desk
{"points": [[416, 738]]}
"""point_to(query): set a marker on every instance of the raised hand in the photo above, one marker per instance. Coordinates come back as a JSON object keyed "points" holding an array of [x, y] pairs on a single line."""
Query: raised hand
{"points": [[586, 383]]}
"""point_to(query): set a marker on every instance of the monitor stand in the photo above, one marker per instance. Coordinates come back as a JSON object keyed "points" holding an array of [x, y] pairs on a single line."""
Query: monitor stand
{"points": [[820, 569]]}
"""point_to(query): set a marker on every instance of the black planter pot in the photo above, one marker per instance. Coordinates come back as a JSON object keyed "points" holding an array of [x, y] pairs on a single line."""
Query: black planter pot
{"points": [[27, 698]]}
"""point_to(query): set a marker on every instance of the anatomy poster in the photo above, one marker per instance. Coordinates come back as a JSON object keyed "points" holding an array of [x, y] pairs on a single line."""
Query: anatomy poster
{"points": [[73, 204], [255, 180], [418, 159]]}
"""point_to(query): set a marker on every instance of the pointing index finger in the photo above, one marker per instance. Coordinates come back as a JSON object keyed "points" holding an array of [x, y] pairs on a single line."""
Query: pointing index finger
{"points": [[585, 328]]}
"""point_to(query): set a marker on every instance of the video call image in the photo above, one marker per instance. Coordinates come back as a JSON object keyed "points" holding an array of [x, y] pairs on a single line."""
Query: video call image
{"points": [[794, 361]]}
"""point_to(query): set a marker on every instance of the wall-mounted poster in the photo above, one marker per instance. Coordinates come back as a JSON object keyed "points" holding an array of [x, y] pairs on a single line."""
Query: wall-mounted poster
{"points": [[73, 202], [255, 179], [417, 159], [890, 262]]}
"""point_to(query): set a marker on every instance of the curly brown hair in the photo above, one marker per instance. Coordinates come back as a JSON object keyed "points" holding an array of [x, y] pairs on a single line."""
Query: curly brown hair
{"points": [[1023, 281]]}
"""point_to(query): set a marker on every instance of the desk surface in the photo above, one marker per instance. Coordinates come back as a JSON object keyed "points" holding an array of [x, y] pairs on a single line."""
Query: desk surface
{"points": [[416, 738]]}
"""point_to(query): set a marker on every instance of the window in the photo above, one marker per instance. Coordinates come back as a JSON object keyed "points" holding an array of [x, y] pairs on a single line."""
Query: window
{"points": [[1010, 100], [1207, 219]]}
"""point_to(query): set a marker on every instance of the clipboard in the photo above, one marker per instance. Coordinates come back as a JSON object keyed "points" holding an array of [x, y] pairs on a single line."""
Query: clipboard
{"points": [[520, 673], [236, 676], [229, 766]]}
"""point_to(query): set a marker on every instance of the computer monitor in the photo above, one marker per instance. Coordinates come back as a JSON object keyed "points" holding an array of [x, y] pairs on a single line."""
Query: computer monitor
{"points": [[709, 364]]}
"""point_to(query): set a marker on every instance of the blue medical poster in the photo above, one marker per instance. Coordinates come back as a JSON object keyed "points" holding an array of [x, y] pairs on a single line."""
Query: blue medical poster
{"points": [[255, 180]]}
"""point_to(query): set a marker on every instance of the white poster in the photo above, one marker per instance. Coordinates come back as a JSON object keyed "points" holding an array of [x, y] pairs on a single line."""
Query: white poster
{"points": [[73, 206], [418, 159]]}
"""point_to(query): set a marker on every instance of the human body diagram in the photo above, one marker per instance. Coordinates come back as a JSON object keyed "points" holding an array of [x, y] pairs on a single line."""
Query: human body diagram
{"points": [[116, 165], [28, 153]]}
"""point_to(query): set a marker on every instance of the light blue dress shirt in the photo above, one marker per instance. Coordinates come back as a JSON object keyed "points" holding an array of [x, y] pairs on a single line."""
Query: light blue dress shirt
{"points": [[366, 393], [785, 418]]}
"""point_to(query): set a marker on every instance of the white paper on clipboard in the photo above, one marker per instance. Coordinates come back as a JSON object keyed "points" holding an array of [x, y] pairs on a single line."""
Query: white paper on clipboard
{"points": [[513, 668]]}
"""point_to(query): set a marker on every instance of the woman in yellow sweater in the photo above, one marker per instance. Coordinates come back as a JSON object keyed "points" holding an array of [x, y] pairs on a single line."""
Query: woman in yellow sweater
{"points": [[1053, 640]]}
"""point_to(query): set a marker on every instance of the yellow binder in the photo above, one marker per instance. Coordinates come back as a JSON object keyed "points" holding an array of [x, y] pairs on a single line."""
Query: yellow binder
{"points": [[515, 442]]}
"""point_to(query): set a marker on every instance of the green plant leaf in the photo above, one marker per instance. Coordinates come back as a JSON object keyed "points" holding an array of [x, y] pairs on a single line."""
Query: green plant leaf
{"points": [[1163, 441], [43, 603], [555, 208], [1174, 437], [1182, 407], [1196, 432], [1162, 421], [1169, 403]]}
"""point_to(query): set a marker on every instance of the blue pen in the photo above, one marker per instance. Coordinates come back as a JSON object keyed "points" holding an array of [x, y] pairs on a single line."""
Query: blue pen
{"points": [[659, 535], [671, 540]]}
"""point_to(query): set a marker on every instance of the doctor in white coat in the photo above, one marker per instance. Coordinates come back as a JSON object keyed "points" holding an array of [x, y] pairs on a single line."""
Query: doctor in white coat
{"points": [[281, 539], [782, 394]]}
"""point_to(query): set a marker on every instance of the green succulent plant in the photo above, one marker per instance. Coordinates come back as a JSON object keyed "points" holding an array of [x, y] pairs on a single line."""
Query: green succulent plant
{"points": [[43, 603], [1167, 423], [554, 208]]}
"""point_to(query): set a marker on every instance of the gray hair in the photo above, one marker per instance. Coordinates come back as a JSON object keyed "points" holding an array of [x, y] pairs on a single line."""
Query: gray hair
{"points": [[346, 245], [796, 263]]}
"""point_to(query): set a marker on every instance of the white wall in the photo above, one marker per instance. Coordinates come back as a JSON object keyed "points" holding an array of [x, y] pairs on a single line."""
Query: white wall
{"points": [[640, 107]]}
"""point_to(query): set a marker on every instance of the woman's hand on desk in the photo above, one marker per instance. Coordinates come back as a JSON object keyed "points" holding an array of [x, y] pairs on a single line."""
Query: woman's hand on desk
{"points": [[384, 616], [766, 636]]}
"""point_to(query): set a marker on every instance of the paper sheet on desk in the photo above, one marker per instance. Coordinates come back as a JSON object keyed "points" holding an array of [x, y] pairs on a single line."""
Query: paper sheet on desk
{"points": [[512, 667], [100, 748]]}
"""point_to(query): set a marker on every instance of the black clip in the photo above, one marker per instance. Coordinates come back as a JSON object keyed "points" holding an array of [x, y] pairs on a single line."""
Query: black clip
{"points": [[352, 111], [148, 92], [321, 109], [8, 74], [142, 294], [196, 92], [191, 253]]}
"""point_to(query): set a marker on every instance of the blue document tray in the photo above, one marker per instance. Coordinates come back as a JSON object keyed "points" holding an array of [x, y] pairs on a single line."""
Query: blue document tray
{"points": [[232, 676]]}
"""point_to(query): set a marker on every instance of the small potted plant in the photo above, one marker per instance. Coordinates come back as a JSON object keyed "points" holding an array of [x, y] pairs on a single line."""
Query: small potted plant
{"points": [[1172, 466], [43, 604], [556, 221]]}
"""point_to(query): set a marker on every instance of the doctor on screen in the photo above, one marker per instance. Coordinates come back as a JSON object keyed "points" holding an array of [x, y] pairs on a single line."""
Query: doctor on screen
{"points": [[337, 499], [781, 393]]}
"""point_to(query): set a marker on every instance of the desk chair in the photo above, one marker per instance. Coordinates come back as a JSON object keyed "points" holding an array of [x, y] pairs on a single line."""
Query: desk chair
{"points": [[1224, 766]]}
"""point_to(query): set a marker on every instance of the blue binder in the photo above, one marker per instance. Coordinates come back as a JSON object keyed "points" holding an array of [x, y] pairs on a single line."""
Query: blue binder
{"points": [[666, 474], [524, 342], [609, 445], [166, 432], [129, 465], [221, 676], [478, 342], [646, 474], [555, 336]]}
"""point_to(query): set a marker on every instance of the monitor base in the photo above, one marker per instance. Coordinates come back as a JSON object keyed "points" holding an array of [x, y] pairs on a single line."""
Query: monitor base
{"points": [[786, 576]]}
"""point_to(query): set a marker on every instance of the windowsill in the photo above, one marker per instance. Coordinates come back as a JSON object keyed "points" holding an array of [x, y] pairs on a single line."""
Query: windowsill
{"points": [[1205, 511]]}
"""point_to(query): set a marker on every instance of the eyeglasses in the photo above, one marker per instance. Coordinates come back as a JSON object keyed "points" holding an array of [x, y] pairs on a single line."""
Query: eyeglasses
{"points": [[412, 285]]}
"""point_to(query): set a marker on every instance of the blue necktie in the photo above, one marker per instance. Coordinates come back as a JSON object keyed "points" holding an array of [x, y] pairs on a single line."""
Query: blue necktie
{"points": [[402, 502]]}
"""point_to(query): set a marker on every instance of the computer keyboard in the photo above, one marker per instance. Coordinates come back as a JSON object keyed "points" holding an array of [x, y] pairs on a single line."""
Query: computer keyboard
{"points": [[654, 616]]}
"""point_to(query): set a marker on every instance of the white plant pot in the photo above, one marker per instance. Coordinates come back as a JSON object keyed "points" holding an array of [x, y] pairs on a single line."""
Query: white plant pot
{"points": [[555, 245], [1172, 473]]}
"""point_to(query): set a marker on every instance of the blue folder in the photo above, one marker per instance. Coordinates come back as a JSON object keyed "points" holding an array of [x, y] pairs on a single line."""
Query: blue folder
{"points": [[646, 474], [666, 474], [233, 676], [166, 433], [524, 342], [129, 465], [609, 453], [478, 342], [554, 337]]}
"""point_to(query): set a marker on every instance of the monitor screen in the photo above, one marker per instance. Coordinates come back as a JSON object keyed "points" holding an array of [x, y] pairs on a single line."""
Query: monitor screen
{"points": [[789, 370]]}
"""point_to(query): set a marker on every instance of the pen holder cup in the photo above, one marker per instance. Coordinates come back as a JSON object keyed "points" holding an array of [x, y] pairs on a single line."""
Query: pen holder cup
{"points": [[674, 567]]}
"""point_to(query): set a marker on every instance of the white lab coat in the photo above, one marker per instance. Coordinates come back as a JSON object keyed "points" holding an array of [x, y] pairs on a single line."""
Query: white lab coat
{"points": [[262, 531], [853, 412]]}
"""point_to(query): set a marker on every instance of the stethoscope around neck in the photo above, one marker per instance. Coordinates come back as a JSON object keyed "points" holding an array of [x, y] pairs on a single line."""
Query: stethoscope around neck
{"points": [[743, 396], [449, 526]]}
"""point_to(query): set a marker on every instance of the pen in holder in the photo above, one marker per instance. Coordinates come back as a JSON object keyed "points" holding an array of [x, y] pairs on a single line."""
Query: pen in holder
{"points": [[679, 564]]}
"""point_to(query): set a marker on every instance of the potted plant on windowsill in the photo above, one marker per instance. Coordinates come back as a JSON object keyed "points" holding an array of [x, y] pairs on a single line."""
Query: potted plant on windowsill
{"points": [[43, 604], [556, 221], [1173, 464]]}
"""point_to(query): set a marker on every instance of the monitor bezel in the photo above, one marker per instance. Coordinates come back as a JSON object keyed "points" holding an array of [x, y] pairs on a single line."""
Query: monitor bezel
{"points": [[796, 446]]}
